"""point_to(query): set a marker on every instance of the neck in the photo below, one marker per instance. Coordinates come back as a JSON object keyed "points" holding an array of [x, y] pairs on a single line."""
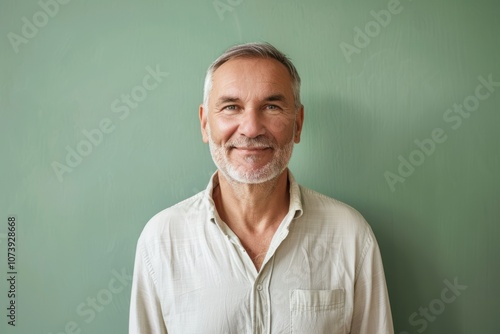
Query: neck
{"points": [[254, 208]]}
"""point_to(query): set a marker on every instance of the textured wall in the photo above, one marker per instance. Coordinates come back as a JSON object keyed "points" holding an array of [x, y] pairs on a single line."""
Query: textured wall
{"points": [[99, 131]]}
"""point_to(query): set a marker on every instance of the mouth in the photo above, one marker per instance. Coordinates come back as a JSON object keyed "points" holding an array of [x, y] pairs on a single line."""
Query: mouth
{"points": [[252, 149]]}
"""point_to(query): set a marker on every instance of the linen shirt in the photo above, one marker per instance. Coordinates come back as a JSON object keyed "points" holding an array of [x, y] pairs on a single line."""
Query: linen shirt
{"points": [[322, 272]]}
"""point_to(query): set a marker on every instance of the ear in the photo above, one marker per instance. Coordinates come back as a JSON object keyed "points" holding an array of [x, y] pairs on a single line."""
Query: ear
{"points": [[299, 120], [203, 122]]}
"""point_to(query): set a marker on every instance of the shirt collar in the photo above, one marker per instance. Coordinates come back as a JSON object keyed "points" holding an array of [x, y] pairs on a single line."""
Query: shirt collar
{"points": [[295, 197]]}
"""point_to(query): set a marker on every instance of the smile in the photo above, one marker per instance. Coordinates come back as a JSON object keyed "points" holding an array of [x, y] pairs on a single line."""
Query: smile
{"points": [[252, 149]]}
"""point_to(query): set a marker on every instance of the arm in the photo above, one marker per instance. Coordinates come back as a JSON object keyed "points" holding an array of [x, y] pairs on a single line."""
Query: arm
{"points": [[372, 310], [145, 309]]}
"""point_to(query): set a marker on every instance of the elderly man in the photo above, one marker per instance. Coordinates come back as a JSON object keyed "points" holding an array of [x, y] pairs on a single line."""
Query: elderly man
{"points": [[255, 252]]}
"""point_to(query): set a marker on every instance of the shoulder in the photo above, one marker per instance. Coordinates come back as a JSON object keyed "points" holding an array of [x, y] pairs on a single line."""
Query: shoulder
{"points": [[179, 218], [331, 214], [333, 222]]}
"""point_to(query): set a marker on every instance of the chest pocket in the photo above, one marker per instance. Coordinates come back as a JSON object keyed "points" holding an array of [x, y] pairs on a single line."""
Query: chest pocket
{"points": [[317, 311]]}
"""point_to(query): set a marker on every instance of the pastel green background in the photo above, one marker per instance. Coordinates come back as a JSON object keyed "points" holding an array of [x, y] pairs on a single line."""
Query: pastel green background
{"points": [[361, 115]]}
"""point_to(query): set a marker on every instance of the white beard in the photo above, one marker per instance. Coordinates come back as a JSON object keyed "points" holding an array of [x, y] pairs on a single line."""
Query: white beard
{"points": [[240, 174]]}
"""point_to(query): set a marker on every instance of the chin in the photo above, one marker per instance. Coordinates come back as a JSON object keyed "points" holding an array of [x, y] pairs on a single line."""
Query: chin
{"points": [[254, 176]]}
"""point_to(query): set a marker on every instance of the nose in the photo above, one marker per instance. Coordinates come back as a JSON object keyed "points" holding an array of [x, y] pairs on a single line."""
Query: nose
{"points": [[251, 123]]}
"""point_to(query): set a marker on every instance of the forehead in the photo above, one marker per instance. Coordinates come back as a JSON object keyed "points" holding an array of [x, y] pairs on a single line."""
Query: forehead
{"points": [[252, 74]]}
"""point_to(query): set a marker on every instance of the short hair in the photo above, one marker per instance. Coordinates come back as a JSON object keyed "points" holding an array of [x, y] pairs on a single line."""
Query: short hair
{"points": [[253, 50]]}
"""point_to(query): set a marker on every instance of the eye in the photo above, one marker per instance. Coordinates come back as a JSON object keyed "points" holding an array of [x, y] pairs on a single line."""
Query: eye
{"points": [[272, 107], [231, 107]]}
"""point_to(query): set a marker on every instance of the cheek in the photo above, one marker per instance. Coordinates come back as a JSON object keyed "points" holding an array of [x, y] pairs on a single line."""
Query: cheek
{"points": [[281, 127], [222, 129]]}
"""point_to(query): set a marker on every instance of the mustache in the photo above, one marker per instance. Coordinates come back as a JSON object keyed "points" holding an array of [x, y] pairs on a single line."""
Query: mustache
{"points": [[257, 142]]}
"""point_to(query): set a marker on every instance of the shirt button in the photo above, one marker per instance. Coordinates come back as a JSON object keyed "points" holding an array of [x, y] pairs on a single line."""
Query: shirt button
{"points": [[259, 287]]}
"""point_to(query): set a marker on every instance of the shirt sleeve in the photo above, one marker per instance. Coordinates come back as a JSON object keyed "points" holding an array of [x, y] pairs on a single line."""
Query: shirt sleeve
{"points": [[372, 311], [145, 309]]}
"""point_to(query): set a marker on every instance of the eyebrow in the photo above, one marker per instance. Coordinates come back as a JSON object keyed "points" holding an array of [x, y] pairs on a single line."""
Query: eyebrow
{"points": [[231, 99], [275, 97], [226, 99]]}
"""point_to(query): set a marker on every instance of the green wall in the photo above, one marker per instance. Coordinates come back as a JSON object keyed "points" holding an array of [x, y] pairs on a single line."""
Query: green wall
{"points": [[369, 97]]}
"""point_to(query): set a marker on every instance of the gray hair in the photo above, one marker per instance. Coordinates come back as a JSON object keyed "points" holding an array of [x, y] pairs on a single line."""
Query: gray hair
{"points": [[253, 50]]}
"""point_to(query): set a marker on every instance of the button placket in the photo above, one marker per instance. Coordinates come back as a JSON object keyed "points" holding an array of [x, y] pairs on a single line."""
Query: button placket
{"points": [[261, 295]]}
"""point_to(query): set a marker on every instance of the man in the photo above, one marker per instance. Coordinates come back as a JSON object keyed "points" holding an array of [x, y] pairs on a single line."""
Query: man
{"points": [[255, 252]]}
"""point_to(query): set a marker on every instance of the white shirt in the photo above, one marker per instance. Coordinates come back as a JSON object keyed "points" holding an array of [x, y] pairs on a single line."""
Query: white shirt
{"points": [[322, 273]]}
